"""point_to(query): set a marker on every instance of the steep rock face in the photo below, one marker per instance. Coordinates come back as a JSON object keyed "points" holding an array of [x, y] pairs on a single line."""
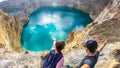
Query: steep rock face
{"points": [[106, 26], [10, 32], [111, 11], [92, 7]]}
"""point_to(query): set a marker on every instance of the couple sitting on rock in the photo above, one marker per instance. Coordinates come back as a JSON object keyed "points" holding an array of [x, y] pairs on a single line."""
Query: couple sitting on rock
{"points": [[55, 58]]}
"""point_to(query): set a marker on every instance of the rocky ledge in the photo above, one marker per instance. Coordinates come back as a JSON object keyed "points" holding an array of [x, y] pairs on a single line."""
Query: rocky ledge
{"points": [[105, 26]]}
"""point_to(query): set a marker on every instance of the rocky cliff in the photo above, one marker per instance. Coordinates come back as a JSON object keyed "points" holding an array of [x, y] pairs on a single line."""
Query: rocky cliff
{"points": [[10, 32], [106, 26], [111, 11], [26, 7]]}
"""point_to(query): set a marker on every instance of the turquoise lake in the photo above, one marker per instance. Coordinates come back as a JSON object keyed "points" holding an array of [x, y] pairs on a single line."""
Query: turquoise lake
{"points": [[15, 12], [48, 22]]}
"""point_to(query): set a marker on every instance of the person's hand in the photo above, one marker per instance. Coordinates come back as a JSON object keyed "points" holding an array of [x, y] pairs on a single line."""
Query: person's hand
{"points": [[53, 38]]}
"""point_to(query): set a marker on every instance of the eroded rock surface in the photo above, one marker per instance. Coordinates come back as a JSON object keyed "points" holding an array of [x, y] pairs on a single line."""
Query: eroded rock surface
{"points": [[10, 32]]}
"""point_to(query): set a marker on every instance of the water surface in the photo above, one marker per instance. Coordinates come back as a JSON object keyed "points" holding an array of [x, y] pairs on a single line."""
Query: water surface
{"points": [[47, 22]]}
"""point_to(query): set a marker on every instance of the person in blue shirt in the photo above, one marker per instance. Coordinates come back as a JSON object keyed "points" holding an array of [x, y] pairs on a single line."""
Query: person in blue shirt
{"points": [[92, 51]]}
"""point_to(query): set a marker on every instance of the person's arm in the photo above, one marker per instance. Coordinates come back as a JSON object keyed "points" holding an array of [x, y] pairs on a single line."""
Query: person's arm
{"points": [[60, 63], [101, 47], [85, 66], [53, 47]]}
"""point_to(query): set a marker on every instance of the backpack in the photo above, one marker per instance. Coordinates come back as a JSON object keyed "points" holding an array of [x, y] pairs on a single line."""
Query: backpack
{"points": [[52, 59]]}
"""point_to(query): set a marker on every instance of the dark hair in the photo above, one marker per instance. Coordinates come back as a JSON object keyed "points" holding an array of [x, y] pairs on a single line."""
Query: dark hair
{"points": [[91, 45], [60, 45]]}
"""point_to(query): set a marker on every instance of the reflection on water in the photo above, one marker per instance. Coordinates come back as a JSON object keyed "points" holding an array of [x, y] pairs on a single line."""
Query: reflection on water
{"points": [[47, 22]]}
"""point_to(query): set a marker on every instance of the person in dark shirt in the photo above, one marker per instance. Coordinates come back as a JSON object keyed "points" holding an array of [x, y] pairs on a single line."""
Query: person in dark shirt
{"points": [[92, 51], [55, 58]]}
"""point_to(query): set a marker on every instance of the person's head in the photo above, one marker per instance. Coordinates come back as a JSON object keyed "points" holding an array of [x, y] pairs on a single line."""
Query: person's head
{"points": [[90, 45], [60, 45]]}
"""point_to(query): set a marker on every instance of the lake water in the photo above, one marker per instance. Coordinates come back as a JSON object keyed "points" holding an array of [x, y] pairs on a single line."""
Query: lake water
{"points": [[48, 22], [15, 12]]}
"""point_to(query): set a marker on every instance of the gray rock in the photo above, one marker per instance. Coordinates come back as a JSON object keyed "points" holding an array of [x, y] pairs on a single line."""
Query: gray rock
{"points": [[92, 7]]}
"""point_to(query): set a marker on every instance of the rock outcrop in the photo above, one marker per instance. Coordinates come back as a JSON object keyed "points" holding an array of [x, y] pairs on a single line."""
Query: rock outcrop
{"points": [[92, 7], [111, 11], [105, 27], [10, 32]]}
